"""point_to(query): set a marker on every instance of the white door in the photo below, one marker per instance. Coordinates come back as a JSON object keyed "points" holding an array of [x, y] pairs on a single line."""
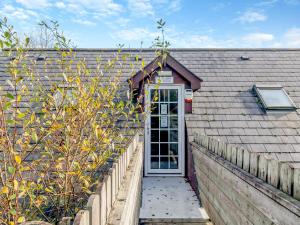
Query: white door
{"points": [[164, 131]]}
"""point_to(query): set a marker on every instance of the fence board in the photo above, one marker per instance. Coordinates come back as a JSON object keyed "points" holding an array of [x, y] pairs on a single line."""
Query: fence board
{"points": [[282, 175], [100, 204]]}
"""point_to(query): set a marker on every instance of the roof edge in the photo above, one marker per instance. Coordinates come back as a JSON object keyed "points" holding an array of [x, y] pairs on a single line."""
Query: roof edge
{"points": [[171, 62], [171, 49]]}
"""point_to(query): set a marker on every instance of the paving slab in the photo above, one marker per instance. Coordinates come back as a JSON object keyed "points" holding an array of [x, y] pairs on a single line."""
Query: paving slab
{"points": [[165, 198]]}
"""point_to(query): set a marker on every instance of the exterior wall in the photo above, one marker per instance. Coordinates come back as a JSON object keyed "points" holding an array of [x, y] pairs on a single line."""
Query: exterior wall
{"points": [[233, 196]]}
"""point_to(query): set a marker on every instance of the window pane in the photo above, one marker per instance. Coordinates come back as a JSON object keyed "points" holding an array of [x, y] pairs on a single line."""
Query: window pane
{"points": [[154, 149], [173, 108], [173, 121], [154, 163], [173, 136], [173, 162], [173, 149], [275, 98], [164, 149], [154, 135], [154, 122], [164, 162], [173, 95], [164, 95], [154, 109], [164, 136], [154, 95]]}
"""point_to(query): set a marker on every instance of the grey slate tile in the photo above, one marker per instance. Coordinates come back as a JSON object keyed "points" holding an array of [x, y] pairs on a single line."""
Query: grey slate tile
{"points": [[264, 131], [272, 148], [284, 157], [251, 131], [225, 102], [224, 132], [234, 139], [258, 147], [295, 157], [277, 131], [211, 132]]}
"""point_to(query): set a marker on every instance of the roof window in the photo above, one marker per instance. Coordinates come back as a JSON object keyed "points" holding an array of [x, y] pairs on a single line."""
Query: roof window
{"points": [[273, 97]]}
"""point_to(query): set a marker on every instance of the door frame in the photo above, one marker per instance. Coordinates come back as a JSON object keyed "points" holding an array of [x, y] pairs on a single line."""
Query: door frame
{"points": [[181, 133]]}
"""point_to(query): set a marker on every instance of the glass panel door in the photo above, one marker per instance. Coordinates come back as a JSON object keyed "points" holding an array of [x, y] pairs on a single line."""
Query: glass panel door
{"points": [[165, 131]]}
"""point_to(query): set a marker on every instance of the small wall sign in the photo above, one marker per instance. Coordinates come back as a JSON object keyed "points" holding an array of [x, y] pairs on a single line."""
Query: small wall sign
{"points": [[164, 80], [188, 95], [165, 73]]}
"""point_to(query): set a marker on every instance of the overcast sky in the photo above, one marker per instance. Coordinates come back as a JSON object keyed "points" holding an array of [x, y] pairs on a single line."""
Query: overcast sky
{"points": [[190, 23]]}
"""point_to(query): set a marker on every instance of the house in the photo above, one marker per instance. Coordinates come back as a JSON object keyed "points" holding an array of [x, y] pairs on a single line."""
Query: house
{"points": [[243, 98]]}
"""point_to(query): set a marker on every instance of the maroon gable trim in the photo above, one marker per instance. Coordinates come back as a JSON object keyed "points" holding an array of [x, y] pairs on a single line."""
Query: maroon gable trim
{"points": [[173, 64]]}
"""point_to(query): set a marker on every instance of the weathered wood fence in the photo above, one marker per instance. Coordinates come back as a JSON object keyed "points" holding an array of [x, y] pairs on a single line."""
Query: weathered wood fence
{"points": [[238, 186], [282, 175], [101, 204], [117, 200]]}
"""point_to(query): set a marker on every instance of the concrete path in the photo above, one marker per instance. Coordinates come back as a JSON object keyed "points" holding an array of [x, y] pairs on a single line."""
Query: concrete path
{"points": [[165, 198]]}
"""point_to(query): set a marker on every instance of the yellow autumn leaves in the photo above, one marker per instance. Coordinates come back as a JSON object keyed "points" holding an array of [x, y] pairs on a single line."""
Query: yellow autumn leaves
{"points": [[54, 150], [18, 159], [5, 190], [20, 219]]}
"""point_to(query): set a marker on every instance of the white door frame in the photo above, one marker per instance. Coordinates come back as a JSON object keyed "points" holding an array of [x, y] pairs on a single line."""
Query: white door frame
{"points": [[181, 134]]}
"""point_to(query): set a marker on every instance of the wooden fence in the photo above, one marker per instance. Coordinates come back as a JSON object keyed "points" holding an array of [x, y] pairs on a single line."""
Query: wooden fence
{"points": [[282, 175], [101, 203], [235, 186], [117, 199]]}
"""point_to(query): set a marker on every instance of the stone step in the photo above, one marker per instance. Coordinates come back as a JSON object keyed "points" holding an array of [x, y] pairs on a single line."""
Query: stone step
{"points": [[176, 221], [170, 200]]}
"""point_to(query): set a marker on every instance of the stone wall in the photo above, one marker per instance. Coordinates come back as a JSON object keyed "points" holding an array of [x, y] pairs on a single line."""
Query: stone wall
{"points": [[238, 187]]}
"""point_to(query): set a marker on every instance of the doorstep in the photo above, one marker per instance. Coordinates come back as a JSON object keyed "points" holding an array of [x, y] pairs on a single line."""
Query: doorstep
{"points": [[170, 200]]}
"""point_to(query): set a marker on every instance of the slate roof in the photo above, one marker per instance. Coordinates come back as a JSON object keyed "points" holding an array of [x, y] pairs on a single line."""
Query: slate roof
{"points": [[225, 106]]}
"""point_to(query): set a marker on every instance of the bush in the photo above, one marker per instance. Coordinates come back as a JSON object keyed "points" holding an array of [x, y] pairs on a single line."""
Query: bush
{"points": [[56, 135]]}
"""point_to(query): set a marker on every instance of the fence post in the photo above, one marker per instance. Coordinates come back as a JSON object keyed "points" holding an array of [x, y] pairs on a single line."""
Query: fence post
{"points": [[103, 207], [286, 178], [93, 206], [108, 192], [273, 172], [228, 152], [253, 163], [296, 189], [233, 154], [246, 160], [239, 157], [113, 183], [262, 167], [82, 218]]}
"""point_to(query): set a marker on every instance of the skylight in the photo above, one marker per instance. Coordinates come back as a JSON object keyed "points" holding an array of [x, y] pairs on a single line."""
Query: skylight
{"points": [[274, 97]]}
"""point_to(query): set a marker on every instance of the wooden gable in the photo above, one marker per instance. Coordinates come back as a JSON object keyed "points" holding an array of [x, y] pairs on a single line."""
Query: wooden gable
{"points": [[181, 73]]}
